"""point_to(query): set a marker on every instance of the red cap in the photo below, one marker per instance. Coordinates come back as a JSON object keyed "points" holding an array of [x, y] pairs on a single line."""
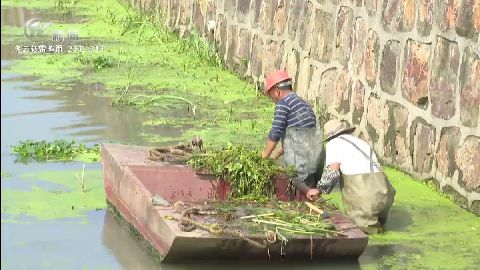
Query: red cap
{"points": [[274, 78]]}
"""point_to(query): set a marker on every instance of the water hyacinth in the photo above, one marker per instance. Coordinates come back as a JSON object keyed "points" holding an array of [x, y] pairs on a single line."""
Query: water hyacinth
{"points": [[56, 150]]}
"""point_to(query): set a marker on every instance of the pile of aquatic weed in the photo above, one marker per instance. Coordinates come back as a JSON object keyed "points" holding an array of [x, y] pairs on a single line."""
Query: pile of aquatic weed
{"points": [[55, 194], [57, 150], [146, 66], [247, 172]]}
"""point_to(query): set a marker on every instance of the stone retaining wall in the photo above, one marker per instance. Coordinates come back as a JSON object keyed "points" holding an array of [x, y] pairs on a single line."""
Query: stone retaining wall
{"points": [[405, 72]]}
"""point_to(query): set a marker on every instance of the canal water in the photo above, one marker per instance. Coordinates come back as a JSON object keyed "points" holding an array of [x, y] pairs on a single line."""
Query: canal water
{"points": [[96, 241]]}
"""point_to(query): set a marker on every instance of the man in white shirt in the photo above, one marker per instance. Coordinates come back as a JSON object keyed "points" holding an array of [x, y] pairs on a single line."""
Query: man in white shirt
{"points": [[367, 194]]}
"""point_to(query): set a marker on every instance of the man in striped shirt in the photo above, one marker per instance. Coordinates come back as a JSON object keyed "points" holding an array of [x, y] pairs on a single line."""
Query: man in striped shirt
{"points": [[291, 111]]}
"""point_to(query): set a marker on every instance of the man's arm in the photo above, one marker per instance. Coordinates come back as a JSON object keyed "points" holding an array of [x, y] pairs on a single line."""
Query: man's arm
{"points": [[269, 147], [279, 127], [331, 175], [278, 153]]}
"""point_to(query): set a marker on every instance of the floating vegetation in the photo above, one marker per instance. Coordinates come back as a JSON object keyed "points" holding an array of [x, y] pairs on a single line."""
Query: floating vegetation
{"points": [[5, 174], [57, 150], [246, 171], [98, 62]]}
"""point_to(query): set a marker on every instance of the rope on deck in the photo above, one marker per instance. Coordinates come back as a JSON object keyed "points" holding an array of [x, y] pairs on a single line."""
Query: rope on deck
{"points": [[176, 154], [188, 224]]}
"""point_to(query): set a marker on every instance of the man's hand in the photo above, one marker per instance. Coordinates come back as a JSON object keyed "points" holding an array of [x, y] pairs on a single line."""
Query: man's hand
{"points": [[269, 147], [313, 194], [278, 153]]}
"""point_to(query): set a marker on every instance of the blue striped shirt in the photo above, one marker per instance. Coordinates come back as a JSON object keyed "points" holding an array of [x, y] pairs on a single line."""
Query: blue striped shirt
{"points": [[291, 111]]}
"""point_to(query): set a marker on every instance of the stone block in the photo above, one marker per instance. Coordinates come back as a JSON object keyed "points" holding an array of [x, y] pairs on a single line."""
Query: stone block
{"points": [[376, 111], [468, 160], [416, 73], [372, 50], [465, 24], [422, 145], [447, 146], [323, 33], [455, 196], [256, 56], [266, 16], [231, 9], [475, 207], [211, 11], [173, 13], [295, 8], [185, 12], [406, 18], [272, 56], [291, 65], [326, 89], [255, 12], [314, 83], [371, 6], [303, 78], [358, 102], [447, 13], [243, 8], [343, 90], [389, 65], [221, 34], [443, 78], [242, 51], [425, 17], [232, 41], [344, 39], [470, 88], [395, 140], [398, 15], [163, 5], [304, 31], [281, 17], [199, 10], [356, 63], [148, 5]]}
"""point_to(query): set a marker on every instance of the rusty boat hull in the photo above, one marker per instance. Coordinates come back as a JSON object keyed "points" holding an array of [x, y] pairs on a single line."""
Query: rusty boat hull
{"points": [[131, 180]]}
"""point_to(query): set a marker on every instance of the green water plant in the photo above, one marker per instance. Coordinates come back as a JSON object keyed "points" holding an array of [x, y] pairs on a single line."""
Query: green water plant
{"points": [[60, 150], [95, 62], [5, 174], [243, 167]]}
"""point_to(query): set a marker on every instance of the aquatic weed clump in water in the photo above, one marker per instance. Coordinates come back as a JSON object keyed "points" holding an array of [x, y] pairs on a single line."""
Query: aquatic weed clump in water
{"points": [[246, 171], [29, 150]]}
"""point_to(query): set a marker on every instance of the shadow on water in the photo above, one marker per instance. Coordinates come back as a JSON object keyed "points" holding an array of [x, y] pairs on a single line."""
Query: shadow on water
{"points": [[399, 220]]}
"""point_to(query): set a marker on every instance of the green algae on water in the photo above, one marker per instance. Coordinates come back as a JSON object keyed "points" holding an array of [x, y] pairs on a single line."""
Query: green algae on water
{"points": [[45, 204], [441, 234]]}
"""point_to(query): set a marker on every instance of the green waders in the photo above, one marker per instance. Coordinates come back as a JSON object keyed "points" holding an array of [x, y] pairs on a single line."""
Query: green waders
{"points": [[303, 149], [367, 199]]}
